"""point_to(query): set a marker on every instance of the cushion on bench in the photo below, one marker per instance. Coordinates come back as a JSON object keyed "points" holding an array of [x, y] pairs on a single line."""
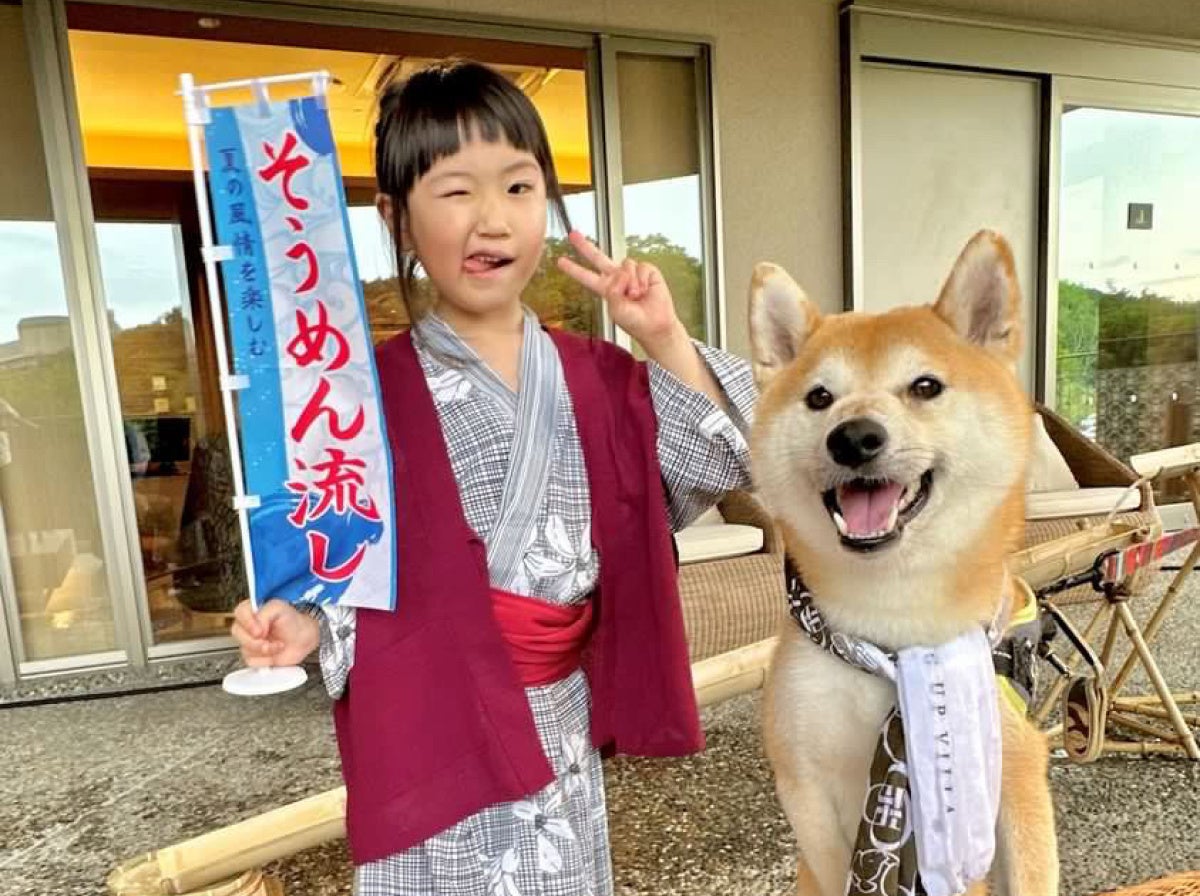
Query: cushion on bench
{"points": [[716, 541]]}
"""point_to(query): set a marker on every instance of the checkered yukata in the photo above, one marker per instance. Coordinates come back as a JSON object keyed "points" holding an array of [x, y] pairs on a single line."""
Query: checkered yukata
{"points": [[554, 842]]}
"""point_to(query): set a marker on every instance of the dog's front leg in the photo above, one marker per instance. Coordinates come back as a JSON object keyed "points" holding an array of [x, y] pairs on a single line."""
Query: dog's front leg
{"points": [[823, 862], [1026, 849]]}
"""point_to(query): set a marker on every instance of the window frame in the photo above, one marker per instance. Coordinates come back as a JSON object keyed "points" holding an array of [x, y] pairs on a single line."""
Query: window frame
{"points": [[47, 25]]}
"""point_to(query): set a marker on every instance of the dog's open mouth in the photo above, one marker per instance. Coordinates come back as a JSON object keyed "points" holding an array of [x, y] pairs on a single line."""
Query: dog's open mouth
{"points": [[870, 513]]}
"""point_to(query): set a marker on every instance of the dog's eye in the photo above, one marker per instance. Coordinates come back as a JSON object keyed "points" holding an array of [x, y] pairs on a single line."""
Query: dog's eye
{"points": [[818, 398], [926, 387]]}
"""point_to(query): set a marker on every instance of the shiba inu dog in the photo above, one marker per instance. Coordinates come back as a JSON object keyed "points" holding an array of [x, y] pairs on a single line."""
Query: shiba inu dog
{"points": [[891, 450]]}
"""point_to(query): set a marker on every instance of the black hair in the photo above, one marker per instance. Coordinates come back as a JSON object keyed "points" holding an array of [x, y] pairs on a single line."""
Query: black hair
{"points": [[426, 118]]}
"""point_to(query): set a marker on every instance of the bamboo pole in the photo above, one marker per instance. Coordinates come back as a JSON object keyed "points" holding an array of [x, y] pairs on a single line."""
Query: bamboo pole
{"points": [[216, 858], [1142, 748], [141, 877], [1050, 699], [1178, 697], [1134, 724], [1048, 561], [735, 672], [1168, 599], [1149, 709], [1156, 678], [1110, 637]]}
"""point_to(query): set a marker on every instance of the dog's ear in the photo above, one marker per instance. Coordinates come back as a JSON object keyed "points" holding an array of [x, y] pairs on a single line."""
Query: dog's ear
{"points": [[981, 299], [781, 318]]}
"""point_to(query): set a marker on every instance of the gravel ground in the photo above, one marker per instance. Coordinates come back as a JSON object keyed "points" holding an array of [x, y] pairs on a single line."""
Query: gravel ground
{"points": [[91, 784]]}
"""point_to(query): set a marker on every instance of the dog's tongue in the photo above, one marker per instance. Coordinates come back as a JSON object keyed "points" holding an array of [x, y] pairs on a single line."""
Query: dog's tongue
{"points": [[866, 509]]}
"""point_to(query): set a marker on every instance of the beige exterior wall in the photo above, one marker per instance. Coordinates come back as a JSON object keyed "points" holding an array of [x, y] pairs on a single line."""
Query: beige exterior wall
{"points": [[24, 191], [777, 92], [1178, 19], [776, 86]]}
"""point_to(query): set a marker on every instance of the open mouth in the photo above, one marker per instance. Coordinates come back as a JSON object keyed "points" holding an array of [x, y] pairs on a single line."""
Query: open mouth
{"points": [[483, 263], [870, 513]]}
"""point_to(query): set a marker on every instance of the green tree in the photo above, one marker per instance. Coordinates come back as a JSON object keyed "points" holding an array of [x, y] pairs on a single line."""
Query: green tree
{"points": [[1078, 339], [558, 300], [683, 273], [1116, 329]]}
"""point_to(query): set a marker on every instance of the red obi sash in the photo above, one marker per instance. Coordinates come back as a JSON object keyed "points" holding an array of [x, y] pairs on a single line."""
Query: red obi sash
{"points": [[545, 640]]}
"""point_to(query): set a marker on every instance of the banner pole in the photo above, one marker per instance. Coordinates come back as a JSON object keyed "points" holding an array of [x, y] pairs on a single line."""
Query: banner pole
{"points": [[196, 112]]}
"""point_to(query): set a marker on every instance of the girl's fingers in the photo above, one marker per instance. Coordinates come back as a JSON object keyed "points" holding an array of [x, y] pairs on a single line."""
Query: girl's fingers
{"points": [[618, 285], [244, 616], [249, 640], [261, 647], [591, 252], [577, 272], [238, 632], [629, 269], [637, 288], [645, 276], [272, 610], [611, 281], [260, 653]]}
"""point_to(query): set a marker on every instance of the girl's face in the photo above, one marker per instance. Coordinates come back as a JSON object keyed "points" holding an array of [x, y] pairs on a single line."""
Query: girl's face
{"points": [[477, 222]]}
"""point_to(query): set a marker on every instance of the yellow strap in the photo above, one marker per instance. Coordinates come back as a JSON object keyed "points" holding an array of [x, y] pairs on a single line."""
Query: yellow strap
{"points": [[1009, 693], [1028, 610]]}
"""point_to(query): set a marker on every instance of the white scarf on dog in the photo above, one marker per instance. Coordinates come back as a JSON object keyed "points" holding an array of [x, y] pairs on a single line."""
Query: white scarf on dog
{"points": [[948, 700], [941, 789]]}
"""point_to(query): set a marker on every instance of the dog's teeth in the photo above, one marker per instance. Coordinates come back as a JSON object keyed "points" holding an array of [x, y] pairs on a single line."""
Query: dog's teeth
{"points": [[892, 518], [840, 522]]}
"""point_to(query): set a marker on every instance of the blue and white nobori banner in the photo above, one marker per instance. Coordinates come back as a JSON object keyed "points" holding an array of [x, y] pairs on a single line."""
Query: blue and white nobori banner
{"points": [[314, 447]]}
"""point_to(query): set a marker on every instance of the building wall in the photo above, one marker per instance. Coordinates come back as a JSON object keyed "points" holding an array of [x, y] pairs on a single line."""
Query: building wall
{"points": [[24, 193], [778, 126], [776, 89], [1178, 19], [777, 92]]}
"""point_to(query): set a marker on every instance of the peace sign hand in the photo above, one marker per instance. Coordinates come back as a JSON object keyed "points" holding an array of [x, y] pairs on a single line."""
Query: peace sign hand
{"points": [[638, 299]]}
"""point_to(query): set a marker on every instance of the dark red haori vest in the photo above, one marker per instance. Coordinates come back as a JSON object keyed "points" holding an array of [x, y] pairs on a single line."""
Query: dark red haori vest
{"points": [[434, 724]]}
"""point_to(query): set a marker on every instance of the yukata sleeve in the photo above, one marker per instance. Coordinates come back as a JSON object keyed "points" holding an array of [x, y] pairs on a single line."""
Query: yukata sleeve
{"points": [[336, 653], [702, 448]]}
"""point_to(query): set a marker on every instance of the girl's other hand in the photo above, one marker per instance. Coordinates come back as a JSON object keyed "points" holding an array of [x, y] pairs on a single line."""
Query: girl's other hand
{"points": [[638, 298], [277, 635]]}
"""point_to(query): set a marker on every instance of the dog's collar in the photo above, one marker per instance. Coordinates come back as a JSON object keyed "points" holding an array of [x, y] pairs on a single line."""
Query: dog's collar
{"points": [[800, 595], [804, 613], [1013, 650]]}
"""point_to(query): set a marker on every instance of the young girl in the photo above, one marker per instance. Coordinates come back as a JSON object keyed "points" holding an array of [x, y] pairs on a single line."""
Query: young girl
{"points": [[538, 477]]}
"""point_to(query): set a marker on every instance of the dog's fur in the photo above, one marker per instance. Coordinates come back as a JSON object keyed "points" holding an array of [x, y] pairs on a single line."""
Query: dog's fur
{"points": [[942, 572]]}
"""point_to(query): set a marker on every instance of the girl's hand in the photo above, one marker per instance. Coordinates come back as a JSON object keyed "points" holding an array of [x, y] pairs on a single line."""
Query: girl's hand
{"points": [[277, 635], [638, 299]]}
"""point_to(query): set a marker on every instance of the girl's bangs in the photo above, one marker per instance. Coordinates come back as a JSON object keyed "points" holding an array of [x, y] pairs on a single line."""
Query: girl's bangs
{"points": [[445, 130]]}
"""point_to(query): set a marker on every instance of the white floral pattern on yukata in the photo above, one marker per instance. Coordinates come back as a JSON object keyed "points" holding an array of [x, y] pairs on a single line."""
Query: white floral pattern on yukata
{"points": [[555, 842]]}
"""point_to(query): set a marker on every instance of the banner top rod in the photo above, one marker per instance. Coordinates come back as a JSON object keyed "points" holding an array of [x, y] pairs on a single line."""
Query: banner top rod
{"points": [[321, 80]]}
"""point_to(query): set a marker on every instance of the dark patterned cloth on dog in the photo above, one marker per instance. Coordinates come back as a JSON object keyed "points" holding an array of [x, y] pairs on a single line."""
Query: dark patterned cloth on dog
{"points": [[928, 821]]}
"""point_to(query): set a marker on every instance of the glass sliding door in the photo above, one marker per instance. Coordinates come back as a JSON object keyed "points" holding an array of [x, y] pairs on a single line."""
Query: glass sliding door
{"points": [[665, 189], [147, 233], [54, 582], [1128, 303]]}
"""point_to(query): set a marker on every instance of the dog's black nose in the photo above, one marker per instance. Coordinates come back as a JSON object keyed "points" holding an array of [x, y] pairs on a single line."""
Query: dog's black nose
{"points": [[856, 442]]}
